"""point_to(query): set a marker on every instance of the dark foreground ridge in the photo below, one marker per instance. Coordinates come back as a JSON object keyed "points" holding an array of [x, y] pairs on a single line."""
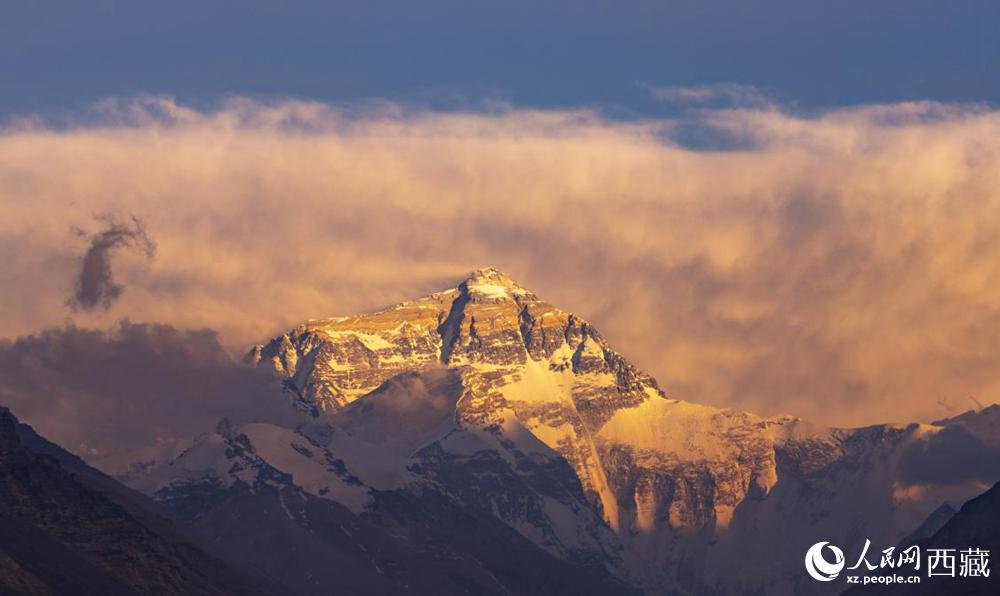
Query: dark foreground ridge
{"points": [[66, 528]]}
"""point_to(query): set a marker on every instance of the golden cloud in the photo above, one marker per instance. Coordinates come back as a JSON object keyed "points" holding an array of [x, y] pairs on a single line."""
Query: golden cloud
{"points": [[838, 266]]}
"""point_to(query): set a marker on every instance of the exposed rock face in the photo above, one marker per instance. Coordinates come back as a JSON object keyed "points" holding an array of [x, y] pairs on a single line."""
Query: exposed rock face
{"points": [[61, 535], [333, 362], [487, 400], [519, 357]]}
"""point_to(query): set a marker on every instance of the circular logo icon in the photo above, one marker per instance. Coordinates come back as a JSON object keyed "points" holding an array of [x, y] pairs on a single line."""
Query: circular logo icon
{"points": [[818, 567]]}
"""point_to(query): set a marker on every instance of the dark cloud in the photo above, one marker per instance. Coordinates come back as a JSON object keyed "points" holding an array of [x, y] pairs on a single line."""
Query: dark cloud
{"points": [[952, 456], [138, 386], [95, 283]]}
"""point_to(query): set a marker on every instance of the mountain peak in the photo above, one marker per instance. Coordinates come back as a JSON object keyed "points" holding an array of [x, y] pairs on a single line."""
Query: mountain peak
{"points": [[490, 274], [491, 283], [488, 324]]}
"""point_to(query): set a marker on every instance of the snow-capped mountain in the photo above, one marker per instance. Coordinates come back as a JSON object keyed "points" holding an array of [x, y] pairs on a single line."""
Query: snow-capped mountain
{"points": [[480, 439]]}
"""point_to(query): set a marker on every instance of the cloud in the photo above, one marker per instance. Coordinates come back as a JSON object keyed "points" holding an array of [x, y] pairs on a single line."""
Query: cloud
{"points": [[731, 95], [951, 456], [838, 266], [135, 387], [95, 284]]}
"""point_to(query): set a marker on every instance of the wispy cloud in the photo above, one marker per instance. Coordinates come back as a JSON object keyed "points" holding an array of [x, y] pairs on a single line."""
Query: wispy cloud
{"points": [[95, 283], [715, 95]]}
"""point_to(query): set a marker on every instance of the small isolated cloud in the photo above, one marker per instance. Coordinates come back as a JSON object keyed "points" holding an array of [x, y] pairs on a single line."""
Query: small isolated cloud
{"points": [[95, 282], [715, 95]]}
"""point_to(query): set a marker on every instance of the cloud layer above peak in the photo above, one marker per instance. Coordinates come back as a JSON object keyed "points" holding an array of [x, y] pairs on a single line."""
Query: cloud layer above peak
{"points": [[839, 266]]}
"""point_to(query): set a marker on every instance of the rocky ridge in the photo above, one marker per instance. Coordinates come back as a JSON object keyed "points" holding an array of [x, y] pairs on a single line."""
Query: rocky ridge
{"points": [[67, 529]]}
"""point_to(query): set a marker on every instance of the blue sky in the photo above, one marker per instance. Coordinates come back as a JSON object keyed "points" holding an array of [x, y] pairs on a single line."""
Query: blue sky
{"points": [[67, 54]]}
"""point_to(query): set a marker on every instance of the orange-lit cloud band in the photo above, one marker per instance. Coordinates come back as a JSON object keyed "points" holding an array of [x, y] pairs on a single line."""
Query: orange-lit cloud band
{"points": [[842, 266]]}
